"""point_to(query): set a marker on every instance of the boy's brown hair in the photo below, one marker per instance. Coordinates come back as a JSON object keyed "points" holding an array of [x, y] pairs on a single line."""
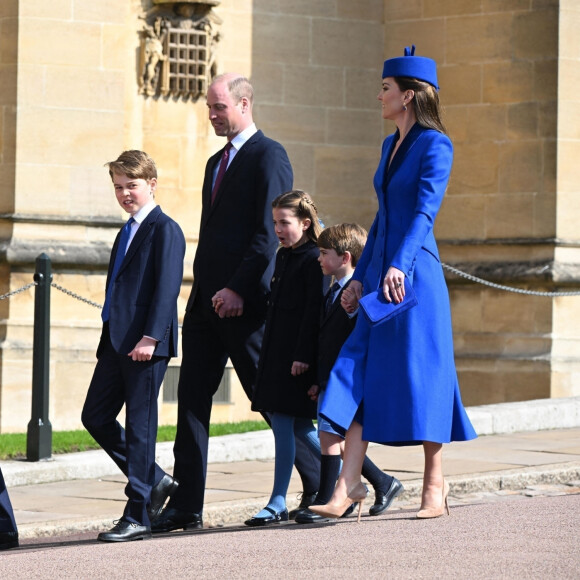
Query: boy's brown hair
{"points": [[134, 164], [344, 238]]}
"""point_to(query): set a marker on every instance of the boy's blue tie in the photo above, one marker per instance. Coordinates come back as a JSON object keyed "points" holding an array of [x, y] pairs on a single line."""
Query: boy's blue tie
{"points": [[330, 297], [121, 250]]}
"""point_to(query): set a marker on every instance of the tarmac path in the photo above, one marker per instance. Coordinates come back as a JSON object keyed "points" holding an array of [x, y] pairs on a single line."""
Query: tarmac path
{"points": [[518, 535]]}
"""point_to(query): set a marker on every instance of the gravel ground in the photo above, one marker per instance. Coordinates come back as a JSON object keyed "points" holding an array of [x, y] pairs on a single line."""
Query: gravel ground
{"points": [[530, 534]]}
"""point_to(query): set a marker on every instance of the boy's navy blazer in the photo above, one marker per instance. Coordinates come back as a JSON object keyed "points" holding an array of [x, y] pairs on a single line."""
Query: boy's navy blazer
{"points": [[237, 227], [144, 299], [335, 326]]}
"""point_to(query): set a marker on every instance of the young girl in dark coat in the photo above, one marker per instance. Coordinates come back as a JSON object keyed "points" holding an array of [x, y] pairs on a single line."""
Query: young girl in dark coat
{"points": [[289, 349]]}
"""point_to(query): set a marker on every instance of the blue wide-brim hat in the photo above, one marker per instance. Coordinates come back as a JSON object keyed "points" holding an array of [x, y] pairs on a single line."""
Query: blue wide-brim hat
{"points": [[416, 67]]}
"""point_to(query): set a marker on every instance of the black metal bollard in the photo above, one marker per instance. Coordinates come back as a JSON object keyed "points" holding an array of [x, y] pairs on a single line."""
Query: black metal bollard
{"points": [[39, 435]]}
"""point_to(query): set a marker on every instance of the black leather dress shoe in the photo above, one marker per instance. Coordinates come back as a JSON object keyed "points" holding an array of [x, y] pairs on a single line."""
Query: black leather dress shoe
{"points": [[308, 517], [383, 499], [275, 518], [8, 540], [125, 531], [174, 519], [160, 493], [307, 499]]}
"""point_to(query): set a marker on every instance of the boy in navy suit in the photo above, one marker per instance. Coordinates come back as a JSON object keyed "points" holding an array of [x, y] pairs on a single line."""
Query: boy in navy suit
{"points": [[139, 337], [340, 248]]}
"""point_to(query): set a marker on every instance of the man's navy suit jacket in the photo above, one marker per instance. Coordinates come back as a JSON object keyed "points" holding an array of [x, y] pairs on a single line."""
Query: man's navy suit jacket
{"points": [[144, 299], [237, 242]]}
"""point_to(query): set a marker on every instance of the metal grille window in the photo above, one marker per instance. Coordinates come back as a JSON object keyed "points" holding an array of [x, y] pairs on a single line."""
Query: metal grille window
{"points": [[187, 52]]}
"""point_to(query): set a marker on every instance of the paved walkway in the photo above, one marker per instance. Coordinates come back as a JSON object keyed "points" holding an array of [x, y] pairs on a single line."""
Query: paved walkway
{"points": [[531, 446]]}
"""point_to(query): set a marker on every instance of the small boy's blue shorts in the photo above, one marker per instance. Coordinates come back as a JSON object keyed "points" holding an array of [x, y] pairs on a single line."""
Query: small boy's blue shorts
{"points": [[323, 424]]}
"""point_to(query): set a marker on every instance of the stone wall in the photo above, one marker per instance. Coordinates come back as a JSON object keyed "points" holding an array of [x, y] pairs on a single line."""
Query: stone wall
{"points": [[69, 102], [316, 68]]}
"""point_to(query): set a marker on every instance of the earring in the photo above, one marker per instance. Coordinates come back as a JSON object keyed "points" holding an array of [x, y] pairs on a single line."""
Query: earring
{"points": [[404, 107]]}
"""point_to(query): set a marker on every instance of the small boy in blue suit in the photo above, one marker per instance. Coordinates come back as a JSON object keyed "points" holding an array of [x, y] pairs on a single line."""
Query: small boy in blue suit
{"points": [[139, 337], [340, 248]]}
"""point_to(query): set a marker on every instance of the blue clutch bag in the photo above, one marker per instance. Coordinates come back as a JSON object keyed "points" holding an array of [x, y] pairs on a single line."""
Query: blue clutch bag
{"points": [[378, 310]]}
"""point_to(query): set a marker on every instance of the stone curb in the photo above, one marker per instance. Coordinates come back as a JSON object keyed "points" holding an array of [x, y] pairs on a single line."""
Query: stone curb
{"points": [[537, 415], [497, 419]]}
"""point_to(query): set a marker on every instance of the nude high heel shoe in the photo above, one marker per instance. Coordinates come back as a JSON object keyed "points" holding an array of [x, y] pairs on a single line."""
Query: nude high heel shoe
{"points": [[357, 494], [437, 512]]}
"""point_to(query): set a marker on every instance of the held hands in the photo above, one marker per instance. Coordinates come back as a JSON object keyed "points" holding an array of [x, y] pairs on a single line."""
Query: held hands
{"points": [[351, 295], [313, 392], [299, 368], [227, 303], [144, 349], [394, 285]]}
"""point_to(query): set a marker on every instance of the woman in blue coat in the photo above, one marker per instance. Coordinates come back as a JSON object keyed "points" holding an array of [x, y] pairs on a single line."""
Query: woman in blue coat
{"points": [[395, 383]]}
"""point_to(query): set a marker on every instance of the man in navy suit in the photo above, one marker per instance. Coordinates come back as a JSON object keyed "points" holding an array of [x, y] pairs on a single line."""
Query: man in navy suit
{"points": [[232, 269], [8, 530], [139, 337]]}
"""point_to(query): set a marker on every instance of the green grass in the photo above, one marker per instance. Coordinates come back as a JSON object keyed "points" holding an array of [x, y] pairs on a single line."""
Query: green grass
{"points": [[13, 445]]}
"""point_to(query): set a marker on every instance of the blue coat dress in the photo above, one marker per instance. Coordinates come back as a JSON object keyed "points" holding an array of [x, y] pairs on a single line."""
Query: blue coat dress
{"points": [[403, 371]]}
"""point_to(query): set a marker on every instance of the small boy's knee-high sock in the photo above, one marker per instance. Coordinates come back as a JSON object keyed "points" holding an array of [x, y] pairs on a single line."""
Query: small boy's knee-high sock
{"points": [[329, 471], [377, 478]]}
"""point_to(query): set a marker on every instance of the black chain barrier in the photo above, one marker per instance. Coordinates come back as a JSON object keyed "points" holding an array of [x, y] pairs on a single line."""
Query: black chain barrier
{"points": [[507, 288]]}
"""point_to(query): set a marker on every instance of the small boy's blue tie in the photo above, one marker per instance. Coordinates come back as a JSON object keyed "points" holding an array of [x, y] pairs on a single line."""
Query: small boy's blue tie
{"points": [[330, 297], [121, 250]]}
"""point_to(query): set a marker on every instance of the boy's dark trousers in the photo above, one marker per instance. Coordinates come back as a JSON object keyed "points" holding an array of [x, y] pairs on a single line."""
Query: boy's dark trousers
{"points": [[119, 380]]}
